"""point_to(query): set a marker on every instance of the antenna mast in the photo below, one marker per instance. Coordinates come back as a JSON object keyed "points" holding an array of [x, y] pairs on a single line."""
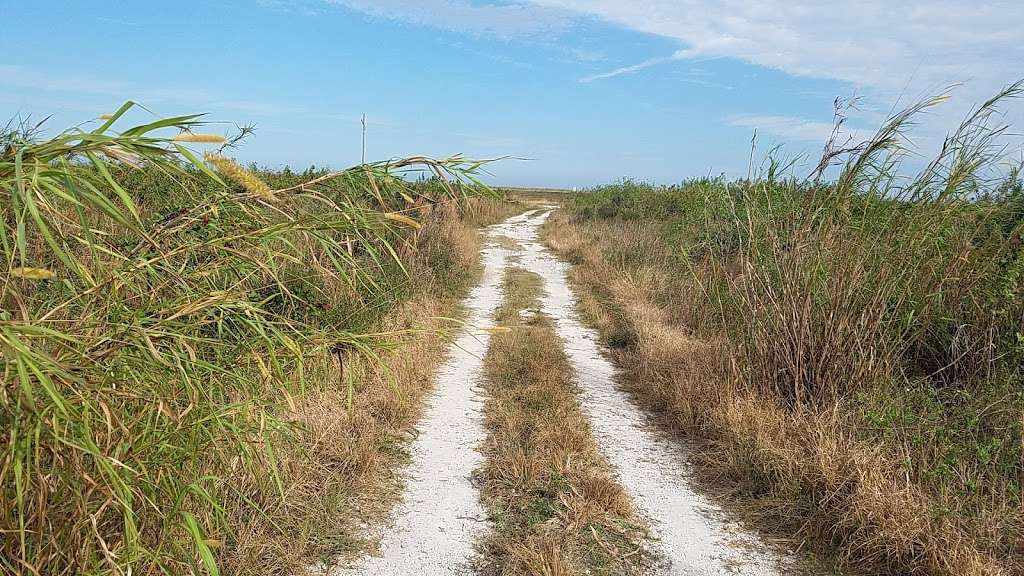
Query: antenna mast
{"points": [[364, 138]]}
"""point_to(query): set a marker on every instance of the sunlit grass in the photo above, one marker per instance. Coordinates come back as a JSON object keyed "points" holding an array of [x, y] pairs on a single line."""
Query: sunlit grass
{"points": [[851, 348], [157, 310]]}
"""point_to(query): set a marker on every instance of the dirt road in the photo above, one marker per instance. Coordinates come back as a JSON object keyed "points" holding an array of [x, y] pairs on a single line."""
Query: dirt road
{"points": [[434, 529]]}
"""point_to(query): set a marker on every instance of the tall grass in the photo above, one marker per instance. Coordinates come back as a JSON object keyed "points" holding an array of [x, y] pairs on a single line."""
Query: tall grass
{"points": [[157, 308], [871, 272], [873, 323]]}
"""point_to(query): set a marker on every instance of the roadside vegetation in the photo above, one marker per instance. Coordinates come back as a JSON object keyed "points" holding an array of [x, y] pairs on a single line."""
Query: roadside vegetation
{"points": [[556, 507], [847, 350], [206, 367]]}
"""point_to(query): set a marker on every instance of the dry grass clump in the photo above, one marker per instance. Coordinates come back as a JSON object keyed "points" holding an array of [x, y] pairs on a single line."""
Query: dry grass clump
{"points": [[644, 315], [556, 507], [848, 352]]}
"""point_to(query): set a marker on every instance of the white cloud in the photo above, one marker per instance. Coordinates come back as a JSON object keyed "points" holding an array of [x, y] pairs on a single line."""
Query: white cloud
{"points": [[586, 55], [890, 48], [464, 16], [888, 52], [24, 77], [625, 69], [791, 128], [32, 82]]}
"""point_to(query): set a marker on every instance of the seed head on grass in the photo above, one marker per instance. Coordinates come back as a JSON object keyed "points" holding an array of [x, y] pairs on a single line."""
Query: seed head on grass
{"points": [[402, 218], [200, 138], [241, 175]]}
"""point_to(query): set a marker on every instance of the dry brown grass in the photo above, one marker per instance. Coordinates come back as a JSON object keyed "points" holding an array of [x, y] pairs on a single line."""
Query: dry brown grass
{"points": [[339, 476], [815, 476], [537, 196], [556, 506]]}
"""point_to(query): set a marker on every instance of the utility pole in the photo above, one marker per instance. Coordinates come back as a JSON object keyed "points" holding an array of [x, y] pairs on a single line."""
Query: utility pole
{"points": [[750, 163], [364, 138]]}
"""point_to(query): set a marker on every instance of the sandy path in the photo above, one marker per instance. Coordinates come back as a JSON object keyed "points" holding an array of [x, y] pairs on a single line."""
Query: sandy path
{"points": [[435, 526], [440, 518], [694, 538]]}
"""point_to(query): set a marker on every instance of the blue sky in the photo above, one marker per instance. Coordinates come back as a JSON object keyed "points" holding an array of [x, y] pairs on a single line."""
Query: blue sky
{"points": [[589, 90]]}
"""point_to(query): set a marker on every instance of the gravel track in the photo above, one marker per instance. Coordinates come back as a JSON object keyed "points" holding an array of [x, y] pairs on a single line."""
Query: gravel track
{"points": [[434, 529]]}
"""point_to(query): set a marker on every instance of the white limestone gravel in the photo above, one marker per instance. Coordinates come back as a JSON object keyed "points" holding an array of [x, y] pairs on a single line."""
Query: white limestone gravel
{"points": [[693, 537], [434, 528], [436, 525]]}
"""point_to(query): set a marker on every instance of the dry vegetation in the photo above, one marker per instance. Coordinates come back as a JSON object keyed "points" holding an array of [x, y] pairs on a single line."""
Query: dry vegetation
{"points": [[201, 362], [556, 507], [847, 353], [339, 470]]}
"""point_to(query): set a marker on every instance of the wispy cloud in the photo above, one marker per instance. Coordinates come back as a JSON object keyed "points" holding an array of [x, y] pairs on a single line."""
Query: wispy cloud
{"points": [[495, 57], [30, 78], [890, 53], [77, 85], [464, 16], [586, 55], [791, 128], [707, 84], [694, 75], [301, 7], [625, 69], [873, 44], [885, 49]]}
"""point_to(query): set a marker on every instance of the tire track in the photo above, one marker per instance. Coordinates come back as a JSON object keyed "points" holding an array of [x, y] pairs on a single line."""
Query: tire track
{"points": [[441, 518], [434, 529], [693, 537]]}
